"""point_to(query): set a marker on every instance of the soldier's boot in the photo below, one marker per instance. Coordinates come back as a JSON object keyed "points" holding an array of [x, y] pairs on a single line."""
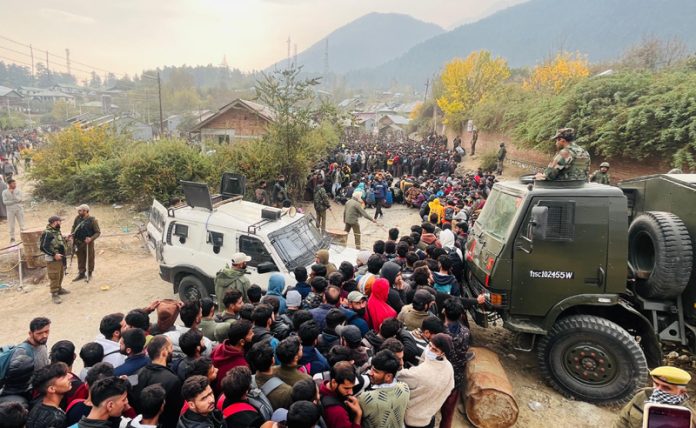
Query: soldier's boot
{"points": [[63, 292], [79, 277], [56, 298]]}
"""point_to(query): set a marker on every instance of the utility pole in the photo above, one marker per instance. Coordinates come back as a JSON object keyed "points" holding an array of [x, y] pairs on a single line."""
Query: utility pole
{"points": [[48, 68], [31, 51], [427, 85], [289, 63], [159, 91], [67, 59]]}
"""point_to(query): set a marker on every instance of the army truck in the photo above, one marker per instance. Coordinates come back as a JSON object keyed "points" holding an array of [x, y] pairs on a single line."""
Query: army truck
{"points": [[193, 240], [594, 278]]}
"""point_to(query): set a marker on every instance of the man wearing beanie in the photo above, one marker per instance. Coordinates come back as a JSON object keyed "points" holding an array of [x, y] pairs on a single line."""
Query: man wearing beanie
{"points": [[430, 382], [669, 387]]}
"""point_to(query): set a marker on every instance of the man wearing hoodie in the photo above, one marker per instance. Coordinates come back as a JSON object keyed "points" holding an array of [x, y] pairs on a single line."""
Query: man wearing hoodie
{"points": [[160, 351], [233, 278], [230, 353], [428, 237], [391, 271], [276, 286], [201, 412], [444, 281]]}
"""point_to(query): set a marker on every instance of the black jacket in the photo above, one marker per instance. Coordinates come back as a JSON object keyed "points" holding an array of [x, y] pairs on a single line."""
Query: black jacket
{"points": [[152, 374], [194, 420]]}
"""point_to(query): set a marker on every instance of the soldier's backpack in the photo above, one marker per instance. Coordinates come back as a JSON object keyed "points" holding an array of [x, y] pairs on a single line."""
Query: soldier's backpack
{"points": [[6, 354]]}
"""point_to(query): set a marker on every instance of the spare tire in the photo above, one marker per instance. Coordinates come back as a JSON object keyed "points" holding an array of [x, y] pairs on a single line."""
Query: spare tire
{"points": [[661, 253]]}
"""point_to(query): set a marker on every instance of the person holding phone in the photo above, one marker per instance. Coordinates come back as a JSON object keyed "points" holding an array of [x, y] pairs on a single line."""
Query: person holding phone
{"points": [[669, 387]]}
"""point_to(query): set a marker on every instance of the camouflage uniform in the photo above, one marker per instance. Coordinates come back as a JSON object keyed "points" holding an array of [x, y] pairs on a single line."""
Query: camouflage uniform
{"points": [[52, 243], [601, 177], [321, 204], [570, 163]]}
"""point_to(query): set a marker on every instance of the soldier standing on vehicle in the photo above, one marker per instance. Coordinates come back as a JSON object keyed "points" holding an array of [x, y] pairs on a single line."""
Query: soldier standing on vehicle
{"points": [[53, 246], [13, 199], [669, 387], [85, 231], [601, 176], [261, 194], [571, 162], [500, 159], [321, 204], [233, 278], [280, 193], [351, 216]]}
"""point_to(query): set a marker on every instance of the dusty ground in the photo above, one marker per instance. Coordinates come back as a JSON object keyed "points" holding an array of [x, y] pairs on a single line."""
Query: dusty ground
{"points": [[126, 277]]}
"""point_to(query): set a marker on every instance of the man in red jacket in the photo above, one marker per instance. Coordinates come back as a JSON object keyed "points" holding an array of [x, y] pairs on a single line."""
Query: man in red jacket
{"points": [[341, 408], [230, 353]]}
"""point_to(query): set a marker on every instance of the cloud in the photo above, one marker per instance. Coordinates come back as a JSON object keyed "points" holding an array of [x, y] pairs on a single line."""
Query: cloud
{"points": [[66, 16]]}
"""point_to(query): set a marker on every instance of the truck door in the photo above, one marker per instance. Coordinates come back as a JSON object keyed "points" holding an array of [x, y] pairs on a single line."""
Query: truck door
{"points": [[570, 260], [155, 228]]}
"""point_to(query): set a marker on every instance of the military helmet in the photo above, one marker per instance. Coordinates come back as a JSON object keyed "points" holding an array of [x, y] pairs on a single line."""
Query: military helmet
{"points": [[604, 165], [567, 134]]}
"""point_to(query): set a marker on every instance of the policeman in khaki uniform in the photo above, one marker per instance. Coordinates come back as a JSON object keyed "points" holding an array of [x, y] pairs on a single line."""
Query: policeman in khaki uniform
{"points": [[571, 162], [84, 231], [53, 246], [601, 176], [669, 387]]}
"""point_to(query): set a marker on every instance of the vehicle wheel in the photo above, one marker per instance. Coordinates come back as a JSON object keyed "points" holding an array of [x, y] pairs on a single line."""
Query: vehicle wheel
{"points": [[592, 359], [191, 288], [661, 252]]}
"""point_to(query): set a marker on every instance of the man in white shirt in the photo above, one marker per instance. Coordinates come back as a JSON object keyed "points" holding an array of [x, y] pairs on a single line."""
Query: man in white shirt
{"points": [[13, 198], [110, 329]]}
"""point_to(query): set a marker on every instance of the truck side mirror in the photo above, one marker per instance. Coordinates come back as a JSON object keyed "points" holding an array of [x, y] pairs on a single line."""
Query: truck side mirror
{"points": [[266, 267], [538, 222]]}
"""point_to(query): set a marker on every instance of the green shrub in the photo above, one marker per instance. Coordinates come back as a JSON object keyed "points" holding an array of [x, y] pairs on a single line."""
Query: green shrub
{"points": [[488, 161]]}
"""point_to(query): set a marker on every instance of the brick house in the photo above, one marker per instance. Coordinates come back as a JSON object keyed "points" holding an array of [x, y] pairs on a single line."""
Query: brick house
{"points": [[238, 120]]}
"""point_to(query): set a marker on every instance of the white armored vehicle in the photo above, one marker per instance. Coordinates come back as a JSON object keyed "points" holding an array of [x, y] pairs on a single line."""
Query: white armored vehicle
{"points": [[193, 241]]}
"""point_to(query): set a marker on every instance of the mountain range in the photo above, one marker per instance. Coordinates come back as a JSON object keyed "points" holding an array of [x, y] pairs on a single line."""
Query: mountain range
{"points": [[381, 49], [366, 42]]}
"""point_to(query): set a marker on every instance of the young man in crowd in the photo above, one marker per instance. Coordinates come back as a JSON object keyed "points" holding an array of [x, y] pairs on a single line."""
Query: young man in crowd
{"points": [[230, 353], [109, 399], [384, 403], [52, 383], [200, 399]]}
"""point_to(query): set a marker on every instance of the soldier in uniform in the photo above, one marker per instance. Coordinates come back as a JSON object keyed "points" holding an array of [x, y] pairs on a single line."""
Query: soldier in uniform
{"points": [[500, 159], [321, 204], [669, 387], [571, 162], [53, 246], [601, 176], [85, 230]]}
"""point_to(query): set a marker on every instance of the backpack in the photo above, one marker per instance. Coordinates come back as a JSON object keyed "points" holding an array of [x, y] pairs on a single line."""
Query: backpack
{"points": [[257, 397], [6, 354], [449, 213]]}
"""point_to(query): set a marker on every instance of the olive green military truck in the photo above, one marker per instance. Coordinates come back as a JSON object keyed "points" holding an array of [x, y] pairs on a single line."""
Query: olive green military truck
{"points": [[594, 278]]}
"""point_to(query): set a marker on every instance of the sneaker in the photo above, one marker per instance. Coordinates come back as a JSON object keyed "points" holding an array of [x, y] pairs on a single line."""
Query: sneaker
{"points": [[56, 298], [63, 292], [79, 277]]}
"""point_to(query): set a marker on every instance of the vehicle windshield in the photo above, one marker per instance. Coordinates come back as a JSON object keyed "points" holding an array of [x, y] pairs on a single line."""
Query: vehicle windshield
{"points": [[499, 212], [297, 243]]}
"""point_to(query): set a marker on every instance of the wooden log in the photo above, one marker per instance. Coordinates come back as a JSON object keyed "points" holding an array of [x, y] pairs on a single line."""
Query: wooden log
{"points": [[489, 400]]}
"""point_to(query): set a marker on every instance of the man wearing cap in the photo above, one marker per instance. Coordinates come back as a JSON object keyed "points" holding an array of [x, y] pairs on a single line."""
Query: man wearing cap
{"points": [[52, 245], [669, 387], [233, 278], [601, 176], [571, 162], [84, 231]]}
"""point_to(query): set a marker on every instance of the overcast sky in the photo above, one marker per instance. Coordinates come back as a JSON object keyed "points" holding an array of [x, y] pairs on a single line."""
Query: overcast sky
{"points": [[126, 36]]}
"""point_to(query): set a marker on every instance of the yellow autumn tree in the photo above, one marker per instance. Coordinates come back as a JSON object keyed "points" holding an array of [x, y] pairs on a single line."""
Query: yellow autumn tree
{"points": [[558, 73], [465, 82]]}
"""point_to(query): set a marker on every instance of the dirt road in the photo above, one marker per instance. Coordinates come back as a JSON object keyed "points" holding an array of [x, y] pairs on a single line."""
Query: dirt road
{"points": [[126, 277]]}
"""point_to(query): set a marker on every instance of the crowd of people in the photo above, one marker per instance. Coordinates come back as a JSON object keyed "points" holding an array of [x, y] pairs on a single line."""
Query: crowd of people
{"points": [[16, 150], [380, 343]]}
